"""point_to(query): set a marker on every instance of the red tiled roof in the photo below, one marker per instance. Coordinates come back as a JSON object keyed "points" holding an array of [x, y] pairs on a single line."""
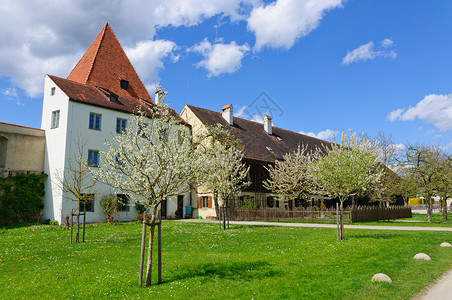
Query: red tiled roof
{"points": [[105, 64], [226, 106], [88, 94], [254, 138], [98, 74]]}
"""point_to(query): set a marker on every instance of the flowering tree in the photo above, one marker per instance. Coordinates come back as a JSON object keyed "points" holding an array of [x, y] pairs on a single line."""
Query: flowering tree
{"points": [[444, 182], [347, 168], [151, 160], [223, 171], [425, 165], [291, 178], [76, 183]]}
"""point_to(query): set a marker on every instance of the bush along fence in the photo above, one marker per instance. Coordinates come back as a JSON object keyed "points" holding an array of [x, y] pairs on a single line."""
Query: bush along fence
{"points": [[373, 213], [21, 198]]}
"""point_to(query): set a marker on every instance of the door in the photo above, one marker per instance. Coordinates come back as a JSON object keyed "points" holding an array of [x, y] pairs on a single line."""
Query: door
{"points": [[180, 205], [164, 209]]}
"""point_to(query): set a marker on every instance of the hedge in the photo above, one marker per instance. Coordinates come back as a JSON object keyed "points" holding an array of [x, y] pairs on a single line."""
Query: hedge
{"points": [[21, 198]]}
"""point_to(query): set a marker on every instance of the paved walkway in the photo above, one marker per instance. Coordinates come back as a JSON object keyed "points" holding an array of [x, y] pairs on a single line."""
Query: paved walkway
{"points": [[441, 290]]}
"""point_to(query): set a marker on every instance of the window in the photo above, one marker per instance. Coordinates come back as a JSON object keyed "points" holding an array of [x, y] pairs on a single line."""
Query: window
{"points": [[3, 144], [205, 201], [88, 201], [55, 122], [142, 130], [163, 135], [93, 158], [120, 125], [124, 84], [297, 202], [52, 91], [270, 202], [124, 202], [113, 98], [95, 121]]}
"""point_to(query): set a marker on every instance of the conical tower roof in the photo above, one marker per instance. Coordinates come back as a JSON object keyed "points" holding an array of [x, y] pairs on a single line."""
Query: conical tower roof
{"points": [[105, 65]]}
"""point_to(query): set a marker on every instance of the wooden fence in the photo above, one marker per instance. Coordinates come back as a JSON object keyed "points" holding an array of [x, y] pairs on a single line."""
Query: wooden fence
{"points": [[374, 213], [351, 215], [299, 214]]}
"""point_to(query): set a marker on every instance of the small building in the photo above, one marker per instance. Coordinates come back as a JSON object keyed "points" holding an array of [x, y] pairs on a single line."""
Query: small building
{"points": [[21, 150], [90, 106], [263, 145]]}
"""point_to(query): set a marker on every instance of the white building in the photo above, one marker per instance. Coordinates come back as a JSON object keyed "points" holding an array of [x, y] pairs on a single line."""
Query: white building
{"points": [[91, 105]]}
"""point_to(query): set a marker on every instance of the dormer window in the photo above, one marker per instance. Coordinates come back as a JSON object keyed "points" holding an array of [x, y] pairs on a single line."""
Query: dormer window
{"points": [[113, 98], [269, 149], [124, 84]]}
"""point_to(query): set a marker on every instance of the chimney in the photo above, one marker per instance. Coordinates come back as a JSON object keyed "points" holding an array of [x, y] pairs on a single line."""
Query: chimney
{"points": [[268, 124], [228, 114], [159, 97]]}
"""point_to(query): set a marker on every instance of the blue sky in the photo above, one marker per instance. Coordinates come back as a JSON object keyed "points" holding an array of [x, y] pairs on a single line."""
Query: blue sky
{"points": [[319, 67]]}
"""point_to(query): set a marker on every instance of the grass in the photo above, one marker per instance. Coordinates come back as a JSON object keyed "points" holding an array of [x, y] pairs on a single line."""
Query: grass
{"points": [[421, 221], [201, 262]]}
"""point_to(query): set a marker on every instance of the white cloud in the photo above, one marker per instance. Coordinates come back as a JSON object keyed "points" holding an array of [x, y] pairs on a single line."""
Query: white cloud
{"points": [[241, 112], [386, 43], [323, 135], [41, 37], [220, 58], [259, 118], [433, 109], [147, 57], [281, 23], [368, 52], [12, 95]]}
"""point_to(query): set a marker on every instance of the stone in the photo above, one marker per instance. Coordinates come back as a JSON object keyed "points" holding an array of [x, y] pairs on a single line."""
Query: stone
{"points": [[445, 245], [380, 277], [422, 256]]}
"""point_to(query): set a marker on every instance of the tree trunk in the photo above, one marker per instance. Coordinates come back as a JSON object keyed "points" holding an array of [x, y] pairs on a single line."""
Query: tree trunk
{"points": [[445, 208], [337, 222], [72, 223], [428, 198], [77, 237], [342, 221], [149, 264], [224, 217], [143, 242], [84, 221], [159, 232]]}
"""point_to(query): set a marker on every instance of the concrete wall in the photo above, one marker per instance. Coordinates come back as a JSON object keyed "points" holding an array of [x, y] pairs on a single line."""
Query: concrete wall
{"points": [[21, 149]]}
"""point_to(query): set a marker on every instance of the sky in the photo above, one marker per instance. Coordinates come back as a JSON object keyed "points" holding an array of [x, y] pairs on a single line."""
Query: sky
{"points": [[318, 67]]}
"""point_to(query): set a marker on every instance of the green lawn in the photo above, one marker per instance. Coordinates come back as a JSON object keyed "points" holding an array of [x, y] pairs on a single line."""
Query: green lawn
{"points": [[199, 261], [421, 221]]}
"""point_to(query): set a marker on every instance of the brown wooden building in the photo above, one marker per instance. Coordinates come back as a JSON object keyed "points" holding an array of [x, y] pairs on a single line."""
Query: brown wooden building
{"points": [[263, 144]]}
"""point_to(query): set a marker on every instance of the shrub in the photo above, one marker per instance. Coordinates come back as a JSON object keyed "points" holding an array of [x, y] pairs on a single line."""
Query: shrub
{"points": [[110, 204], [21, 198]]}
